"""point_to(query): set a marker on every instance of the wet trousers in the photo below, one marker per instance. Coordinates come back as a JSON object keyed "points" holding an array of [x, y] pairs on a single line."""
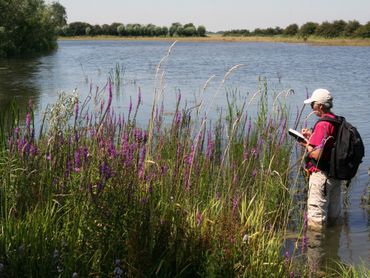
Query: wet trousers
{"points": [[324, 200]]}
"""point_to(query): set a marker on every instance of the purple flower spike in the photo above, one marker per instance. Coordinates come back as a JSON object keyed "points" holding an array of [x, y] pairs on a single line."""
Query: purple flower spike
{"points": [[254, 173], [218, 195], [235, 203], [78, 159], [28, 121]]}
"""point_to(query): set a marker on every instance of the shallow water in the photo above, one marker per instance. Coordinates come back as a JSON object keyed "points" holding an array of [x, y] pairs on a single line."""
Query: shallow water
{"points": [[82, 65]]}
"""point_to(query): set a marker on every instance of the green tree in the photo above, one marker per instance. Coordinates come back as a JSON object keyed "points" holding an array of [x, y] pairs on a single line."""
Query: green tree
{"points": [[291, 30], [27, 26], [201, 31], [59, 15], [173, 28], [121, 30], [77, 28], [363, 31], [331, 30], [112, 30], [88, 31], [96, 30], [351, 28], [308, 29], [189, 30], [164, 31]]}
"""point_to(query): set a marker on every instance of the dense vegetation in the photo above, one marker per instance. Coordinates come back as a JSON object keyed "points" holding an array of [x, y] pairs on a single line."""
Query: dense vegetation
{"points": [[119, 29], [337, 28], [28, 26], [95, 194]]}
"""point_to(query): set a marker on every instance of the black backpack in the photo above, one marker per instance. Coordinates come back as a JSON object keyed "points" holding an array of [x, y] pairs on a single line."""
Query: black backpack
{"points": [[348, 149]]}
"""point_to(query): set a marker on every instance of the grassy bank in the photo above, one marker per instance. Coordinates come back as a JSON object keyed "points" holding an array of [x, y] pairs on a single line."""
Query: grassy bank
{"points": [[219, 38], [95, 195]]}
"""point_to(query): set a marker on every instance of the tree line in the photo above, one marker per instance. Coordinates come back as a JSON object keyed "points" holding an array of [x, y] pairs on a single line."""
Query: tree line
{"points": [[129, 30], [337, 28]]}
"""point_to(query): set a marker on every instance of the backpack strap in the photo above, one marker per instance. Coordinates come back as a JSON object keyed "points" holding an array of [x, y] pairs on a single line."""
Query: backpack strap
{"points": [[337, 121]]}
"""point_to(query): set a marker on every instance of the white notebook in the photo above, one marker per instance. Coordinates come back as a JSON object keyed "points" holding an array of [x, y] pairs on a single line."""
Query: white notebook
{"points": [[297, 135]]}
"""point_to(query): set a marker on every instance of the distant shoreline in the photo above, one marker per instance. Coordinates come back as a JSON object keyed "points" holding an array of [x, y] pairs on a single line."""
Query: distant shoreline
{"points": [[219, 38]]}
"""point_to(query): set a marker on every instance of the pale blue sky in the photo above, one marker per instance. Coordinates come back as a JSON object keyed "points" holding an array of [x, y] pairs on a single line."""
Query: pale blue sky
{"points": [[216, 15]]}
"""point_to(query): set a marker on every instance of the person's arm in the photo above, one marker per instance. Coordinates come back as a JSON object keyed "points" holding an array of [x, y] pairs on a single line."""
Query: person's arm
{"points": [[315, 153]]}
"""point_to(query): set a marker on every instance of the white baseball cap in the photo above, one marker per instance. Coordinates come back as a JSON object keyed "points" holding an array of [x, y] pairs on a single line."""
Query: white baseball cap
{"points": [[320, 96]]}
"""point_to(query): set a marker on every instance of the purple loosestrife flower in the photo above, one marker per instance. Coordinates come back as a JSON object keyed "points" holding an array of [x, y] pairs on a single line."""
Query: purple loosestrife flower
{"points": [[254, 173], [190, 157], [235, 203], [141, 164], [138, 135], [68, 168], [33, 150], [130, 154], [249, 127], [112, 149], [210, 145], [287, 258], [78, 163], [254, 152], [30, 105], [99, 186], [145, 136], [164, 169], [105, 171], [28, 122], [178, 118], [16, 132], [218, 195], [85, 153]]}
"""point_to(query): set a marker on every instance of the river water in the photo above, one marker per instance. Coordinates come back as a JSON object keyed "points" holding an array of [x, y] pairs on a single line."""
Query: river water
{"points": [[81, 65]]}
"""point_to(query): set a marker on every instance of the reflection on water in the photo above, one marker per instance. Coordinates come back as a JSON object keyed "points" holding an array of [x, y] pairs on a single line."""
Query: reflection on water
{"points": [[86, 65], [322, 249], [17, 83]]}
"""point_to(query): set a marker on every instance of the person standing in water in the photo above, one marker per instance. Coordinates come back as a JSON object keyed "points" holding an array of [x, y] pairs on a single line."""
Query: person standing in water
{"points": [[324, 193]]}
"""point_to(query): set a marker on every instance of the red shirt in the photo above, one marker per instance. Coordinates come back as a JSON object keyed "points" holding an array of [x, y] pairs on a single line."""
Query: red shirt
{"points": [[323, 137]]}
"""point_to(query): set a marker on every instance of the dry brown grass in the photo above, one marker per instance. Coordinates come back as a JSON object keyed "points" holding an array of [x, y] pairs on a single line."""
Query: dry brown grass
{"points": [[219, 38]]}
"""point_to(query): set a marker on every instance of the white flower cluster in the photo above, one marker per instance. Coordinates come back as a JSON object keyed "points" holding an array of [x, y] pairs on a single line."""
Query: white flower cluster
{"points": [[59, 114]]}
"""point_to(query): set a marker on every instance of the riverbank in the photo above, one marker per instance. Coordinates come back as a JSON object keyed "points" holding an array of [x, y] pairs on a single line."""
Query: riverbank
{"points": [[219, 38]]}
